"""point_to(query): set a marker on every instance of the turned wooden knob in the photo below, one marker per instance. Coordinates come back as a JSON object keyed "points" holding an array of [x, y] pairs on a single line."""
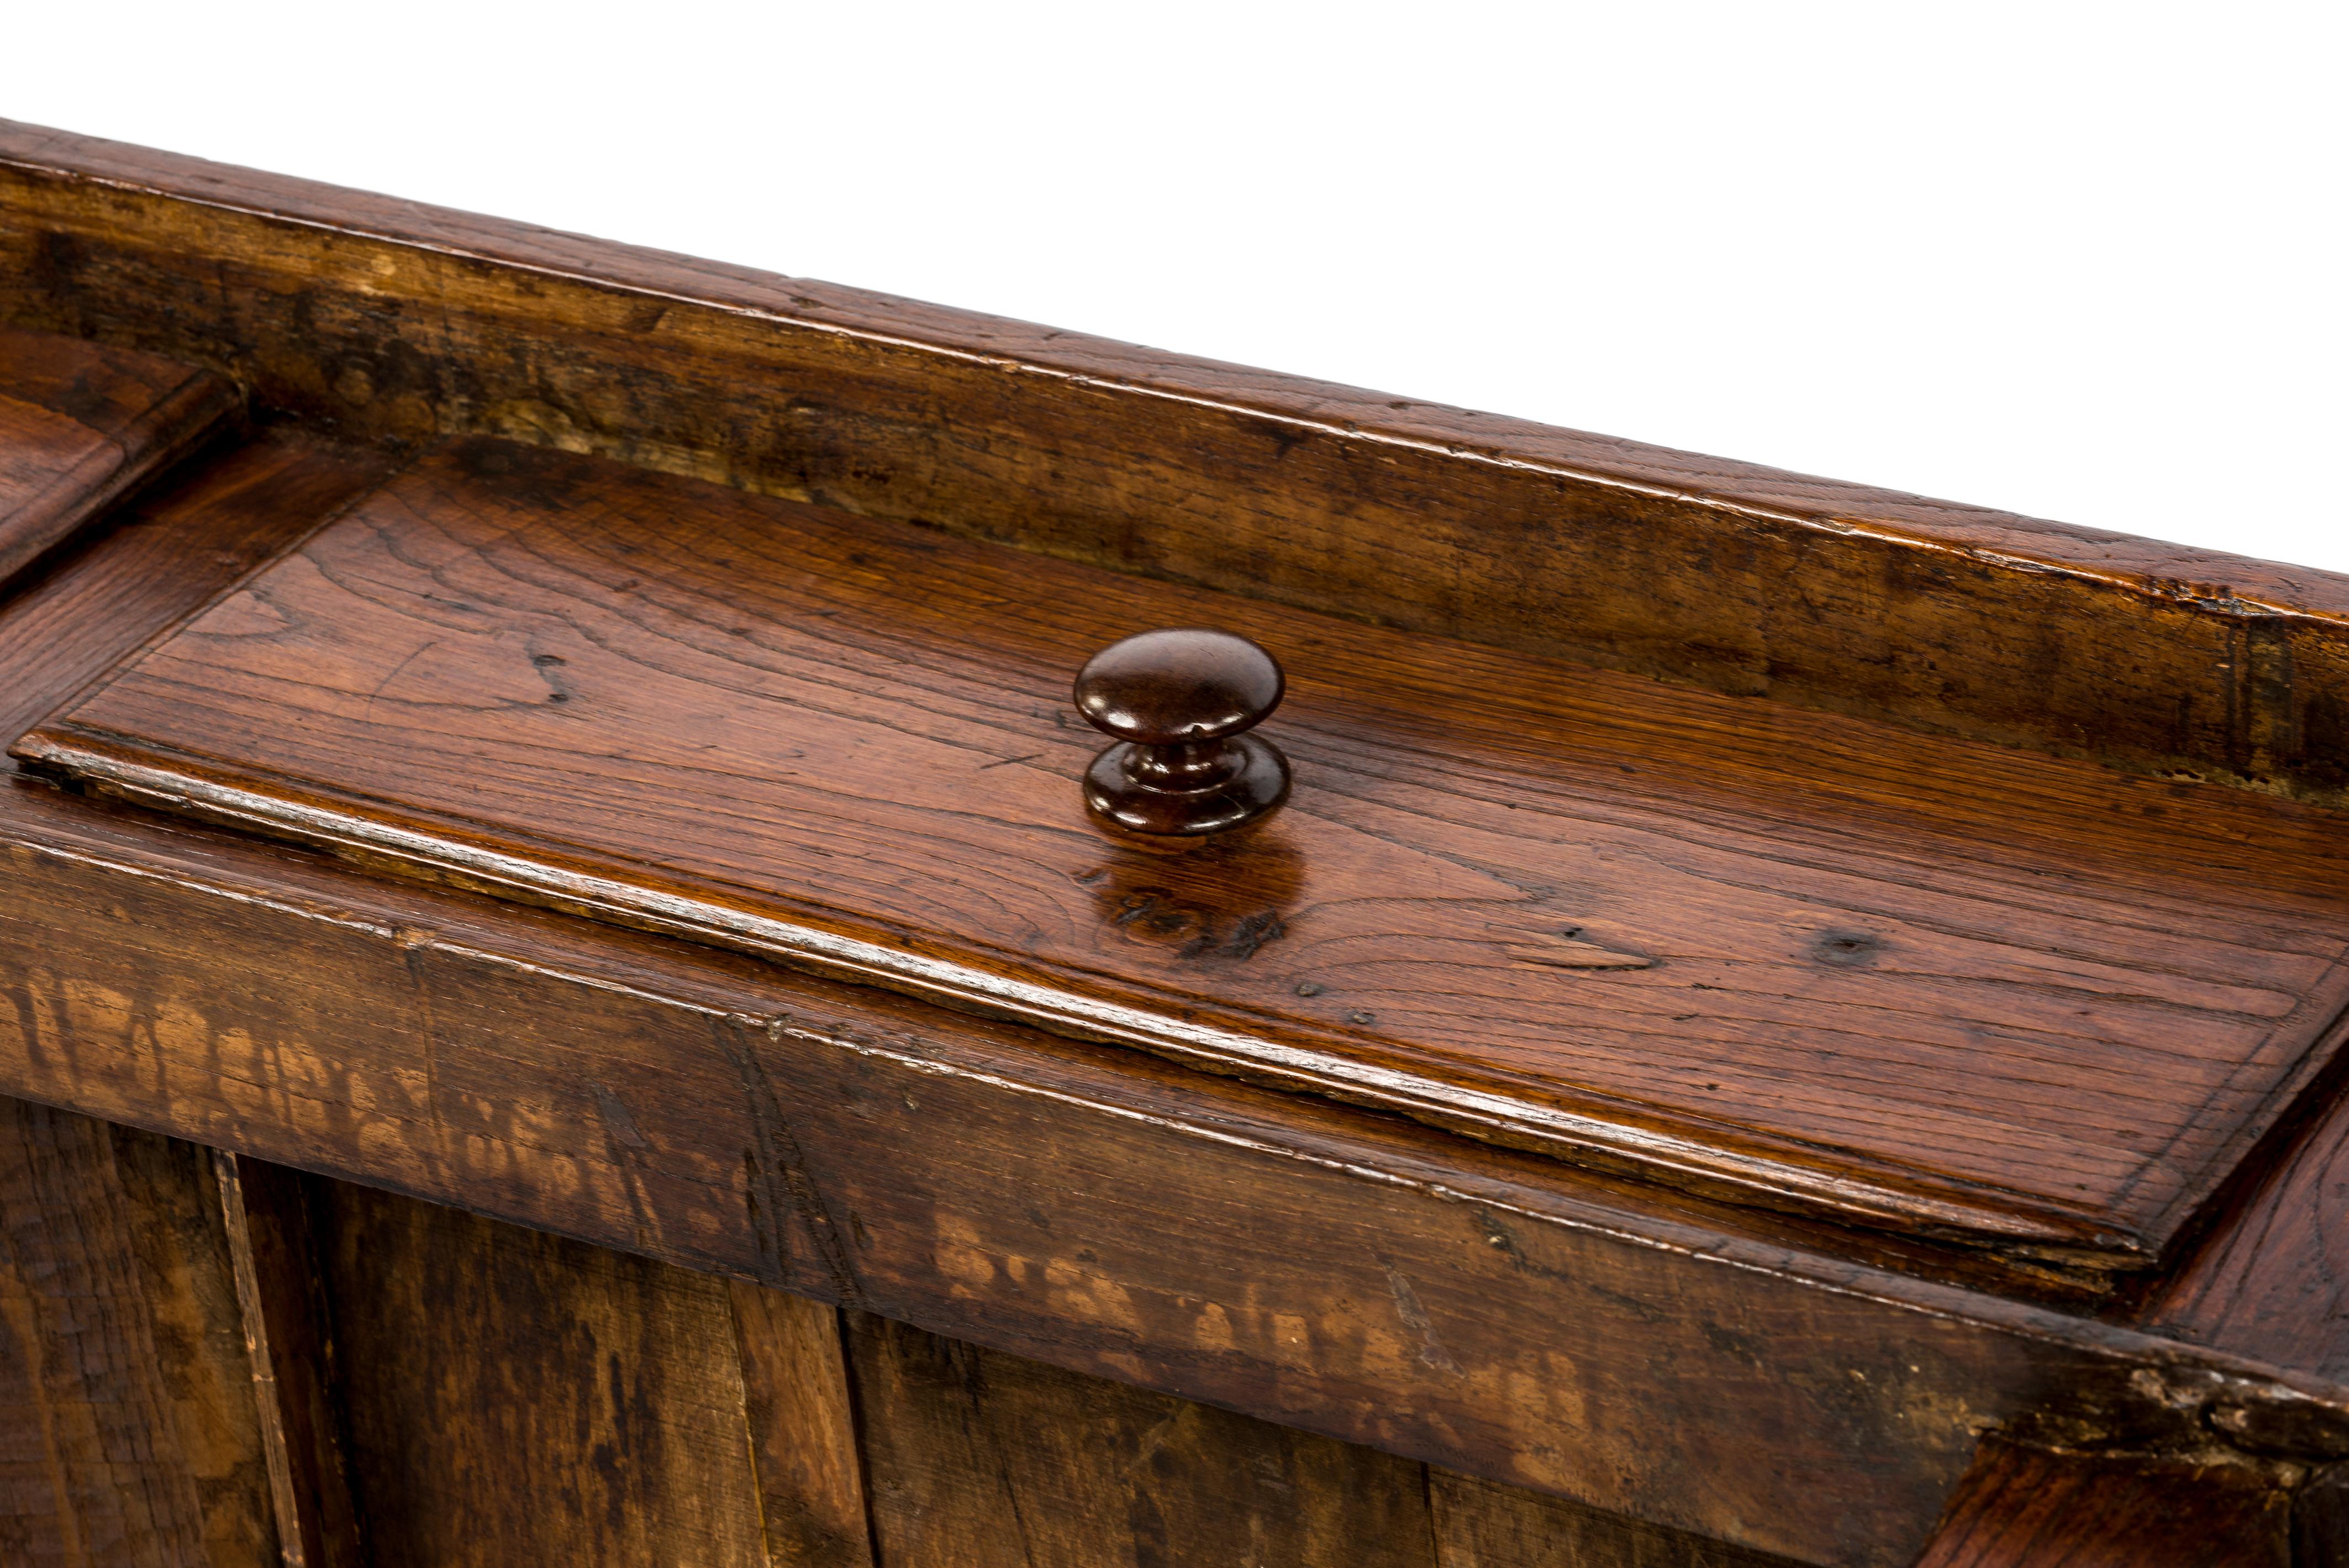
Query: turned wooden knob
{"points": [[1178, 701]]}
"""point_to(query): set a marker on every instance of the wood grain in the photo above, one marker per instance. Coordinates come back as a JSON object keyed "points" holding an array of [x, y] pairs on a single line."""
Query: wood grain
{"points": [[382, 318], [2274, 1282], [128, 1426], [983, 1460], [296, 1365], [168, 555], [1749, 1375], [515, 1398], [295, 1535], [1481, 1525], [1733, 1376], [2023, 1509], [802, 1424], [81, 425], [1090, 1208], [2320, 1520], [1960, 991]]}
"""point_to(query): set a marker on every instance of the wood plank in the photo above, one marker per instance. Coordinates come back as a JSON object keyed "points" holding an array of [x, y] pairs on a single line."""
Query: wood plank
{"points": [[1900, 981], [283, 1300], [516, 1398], [383, 317], [980, 1459], [1481, 1525], [128, 1433], [81, 425], [2320, 1520], [2021, 1507], [803, 1425]]}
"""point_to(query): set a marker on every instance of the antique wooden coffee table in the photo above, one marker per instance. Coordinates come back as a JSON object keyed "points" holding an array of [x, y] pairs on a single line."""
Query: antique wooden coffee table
{"points": [[585, 983]]}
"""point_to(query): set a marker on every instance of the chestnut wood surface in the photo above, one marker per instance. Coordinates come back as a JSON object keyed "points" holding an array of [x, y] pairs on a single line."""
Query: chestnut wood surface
{"points": [[1082, 1206], [1963, 991], [81, 424], [128, 1432], [261, 1000], [166, 559], [385, 318], [2275, 1282], [2023, 1509], [802, 1417], [1482, 1525], [515, 1398], [981, 1459], [594, 1412], [288, 1336], [1749, 1377]]}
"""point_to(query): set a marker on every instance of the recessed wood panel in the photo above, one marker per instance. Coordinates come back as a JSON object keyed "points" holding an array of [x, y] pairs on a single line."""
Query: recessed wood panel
{"points": [[1803, 959], [80, 424]]}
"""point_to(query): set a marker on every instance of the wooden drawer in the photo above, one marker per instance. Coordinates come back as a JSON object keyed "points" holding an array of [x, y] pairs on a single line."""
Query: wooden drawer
{"points": [[1777, 1018]]}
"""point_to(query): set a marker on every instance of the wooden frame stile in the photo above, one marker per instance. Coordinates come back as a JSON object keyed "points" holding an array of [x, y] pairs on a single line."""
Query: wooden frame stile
{"points": [[728, 1168]]}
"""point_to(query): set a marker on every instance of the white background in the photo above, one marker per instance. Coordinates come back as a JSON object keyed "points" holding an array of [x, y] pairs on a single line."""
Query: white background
{"points": [[2082, 261]]}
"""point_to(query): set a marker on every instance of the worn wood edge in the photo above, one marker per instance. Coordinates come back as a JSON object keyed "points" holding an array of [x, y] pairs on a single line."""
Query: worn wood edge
{"points": [[2266, 1138], [370, 471], [1777, 495], [2046, 1236], [2249, 597], [257, 1347], [2266, 1280], [816, 1499], [2296, 1131], [279, 1246], [2020, 1506], [200, 409]]}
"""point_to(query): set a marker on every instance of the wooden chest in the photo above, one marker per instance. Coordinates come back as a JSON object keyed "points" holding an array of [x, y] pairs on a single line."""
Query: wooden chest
{"points": [[567, 1002]]}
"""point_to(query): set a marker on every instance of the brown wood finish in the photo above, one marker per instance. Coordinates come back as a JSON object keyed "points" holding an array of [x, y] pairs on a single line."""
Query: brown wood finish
{"points": [[2320, 1520], [168, 557], [382, 318], [586, 1080], [2021, 1509], [129, 1435], [1313, 1265], [516, 1398], [1481, 1525], [2273, 1280], [975, 1458], [82, 424], [296, 1365], [803, 1425], [985, 1460], [1683, 1382], [1796, 958]]}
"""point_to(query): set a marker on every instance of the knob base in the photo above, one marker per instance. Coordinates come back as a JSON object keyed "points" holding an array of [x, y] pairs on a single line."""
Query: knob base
{"points": [[1256, 782]]}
